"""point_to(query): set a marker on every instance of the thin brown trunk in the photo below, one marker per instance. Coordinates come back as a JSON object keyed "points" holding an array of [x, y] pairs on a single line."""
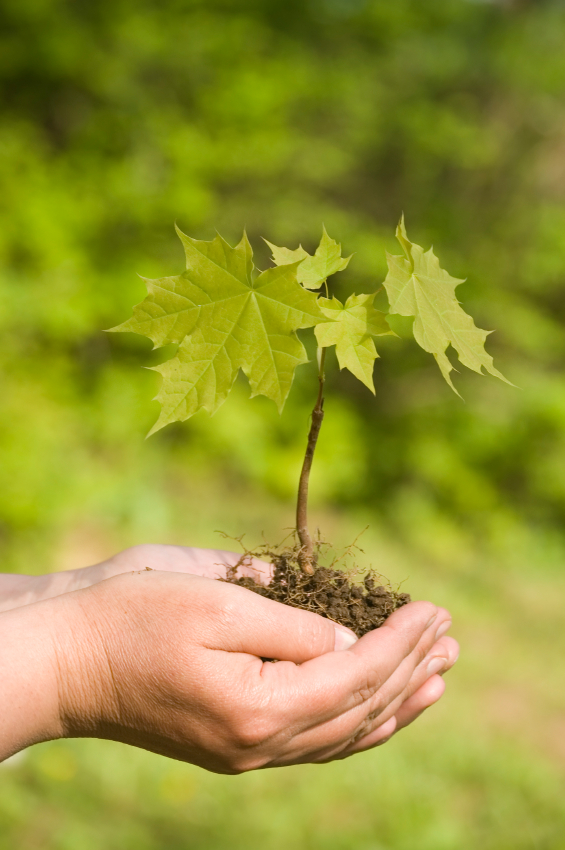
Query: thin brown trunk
{"points": [[306, 555]]}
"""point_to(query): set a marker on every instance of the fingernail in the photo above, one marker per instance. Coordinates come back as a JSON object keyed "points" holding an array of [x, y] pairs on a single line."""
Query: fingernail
{"points": [[435, 665], [344, 639], [431, 621], [443, 629]]}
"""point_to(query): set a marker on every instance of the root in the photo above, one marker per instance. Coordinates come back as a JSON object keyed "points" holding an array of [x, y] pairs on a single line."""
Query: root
{"points": [[332, 593]]}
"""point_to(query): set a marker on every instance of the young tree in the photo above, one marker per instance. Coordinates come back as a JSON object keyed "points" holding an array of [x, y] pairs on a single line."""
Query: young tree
{"points": [[224, 316]]}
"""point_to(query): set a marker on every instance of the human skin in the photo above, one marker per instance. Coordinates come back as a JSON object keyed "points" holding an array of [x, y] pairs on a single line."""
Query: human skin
{"points": [[148, 649]]}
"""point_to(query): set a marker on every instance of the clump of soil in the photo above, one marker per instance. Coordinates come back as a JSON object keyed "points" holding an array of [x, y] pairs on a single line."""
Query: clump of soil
{"points": [[329, 592]]}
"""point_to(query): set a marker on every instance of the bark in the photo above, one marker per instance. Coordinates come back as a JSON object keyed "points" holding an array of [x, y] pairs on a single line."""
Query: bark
{"points": [[306, 555]]}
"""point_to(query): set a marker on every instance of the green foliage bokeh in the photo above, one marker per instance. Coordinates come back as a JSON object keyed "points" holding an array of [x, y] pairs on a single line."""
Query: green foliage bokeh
{"points": [[119, 119]]}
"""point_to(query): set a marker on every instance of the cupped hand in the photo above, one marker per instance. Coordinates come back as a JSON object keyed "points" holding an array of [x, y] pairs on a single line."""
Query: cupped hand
{"points": [[209, 563], [16, 591], [172, 663]]}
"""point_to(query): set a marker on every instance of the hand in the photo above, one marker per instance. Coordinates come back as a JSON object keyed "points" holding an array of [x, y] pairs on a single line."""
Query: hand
{"points": [[19, 590], [212, 563], [172, 663]]}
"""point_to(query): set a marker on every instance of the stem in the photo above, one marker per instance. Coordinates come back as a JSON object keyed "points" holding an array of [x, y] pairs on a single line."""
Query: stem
{"points": [[306, 555]]}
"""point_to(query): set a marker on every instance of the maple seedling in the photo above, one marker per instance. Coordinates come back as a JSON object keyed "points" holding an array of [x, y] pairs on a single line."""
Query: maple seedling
{"points": [[223, 315]]}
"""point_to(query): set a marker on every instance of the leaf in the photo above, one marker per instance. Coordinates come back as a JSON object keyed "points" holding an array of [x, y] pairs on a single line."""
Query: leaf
{"points": [[223, 320], [351, 329], [283, 256], [314, 270], [171, 310], [417, 286]]}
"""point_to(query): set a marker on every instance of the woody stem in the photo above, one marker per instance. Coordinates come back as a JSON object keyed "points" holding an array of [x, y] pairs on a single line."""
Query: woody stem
{"points": [[306, 555]]}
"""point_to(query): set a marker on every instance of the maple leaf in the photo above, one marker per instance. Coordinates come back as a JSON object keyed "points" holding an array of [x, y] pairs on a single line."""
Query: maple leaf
{"points": [[417, 286], [313, 270], [223, 319], [351, 329]]}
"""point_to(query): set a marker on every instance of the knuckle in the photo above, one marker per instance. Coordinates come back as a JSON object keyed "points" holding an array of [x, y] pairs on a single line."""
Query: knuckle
{"points": [[428, 608], [226, 613], [318, 632], [371, 686], [253, 732], [363, 730], [246, 762], [414, 627], [378, 704], [421, 652], [140, 551], [362, 694], [138, 557]]}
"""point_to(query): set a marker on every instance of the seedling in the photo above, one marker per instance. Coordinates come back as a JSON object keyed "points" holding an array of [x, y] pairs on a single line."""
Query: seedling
{"points": [[224, 316]]}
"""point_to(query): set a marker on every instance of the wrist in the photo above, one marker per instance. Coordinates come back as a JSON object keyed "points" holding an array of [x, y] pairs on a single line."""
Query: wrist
{"points": [[29, 698], [57, 678], [86, 662]]}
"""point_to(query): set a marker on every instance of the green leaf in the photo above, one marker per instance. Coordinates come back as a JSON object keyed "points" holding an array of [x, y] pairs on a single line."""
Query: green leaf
{"points": [[313, 270], [171, 309], [284, 256], [417, 286], [224, 320], [351, 328]]}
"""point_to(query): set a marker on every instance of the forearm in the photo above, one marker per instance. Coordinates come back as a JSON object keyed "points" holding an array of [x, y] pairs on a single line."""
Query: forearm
{"points": [[29, 699]]}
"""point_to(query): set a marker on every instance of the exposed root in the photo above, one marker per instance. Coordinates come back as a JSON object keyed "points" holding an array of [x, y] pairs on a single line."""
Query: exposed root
{"points": [[333, 593]]}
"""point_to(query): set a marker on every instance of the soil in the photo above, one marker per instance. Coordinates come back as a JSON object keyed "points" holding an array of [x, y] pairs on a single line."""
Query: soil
{"points": [[332, 593]]}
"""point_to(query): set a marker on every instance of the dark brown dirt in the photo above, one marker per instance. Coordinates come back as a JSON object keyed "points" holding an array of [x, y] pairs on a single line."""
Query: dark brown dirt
{"points": [[329, 592]]}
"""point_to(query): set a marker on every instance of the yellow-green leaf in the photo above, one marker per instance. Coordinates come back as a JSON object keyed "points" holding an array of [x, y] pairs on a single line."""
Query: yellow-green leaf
{"points": [[351, 329], [417, 286], [224, 320], [171, 309], [313, 270]]}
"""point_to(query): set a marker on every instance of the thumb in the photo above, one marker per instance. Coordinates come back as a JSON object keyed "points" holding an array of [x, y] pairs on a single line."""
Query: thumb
{"points": [[258, 626]]}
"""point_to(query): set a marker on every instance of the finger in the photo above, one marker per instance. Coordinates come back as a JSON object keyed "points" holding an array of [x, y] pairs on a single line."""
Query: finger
{"points": [[437, 656], [324, 699], [376, 738], [439, 659], [316, 740], [430, 691], [426, 696], [378, 732], [400, 643], [245, 622], [317, 730], [335, 753]]}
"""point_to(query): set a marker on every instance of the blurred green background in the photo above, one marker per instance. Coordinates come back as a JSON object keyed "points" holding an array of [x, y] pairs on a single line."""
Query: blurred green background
{"points": [[119, 119]]}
